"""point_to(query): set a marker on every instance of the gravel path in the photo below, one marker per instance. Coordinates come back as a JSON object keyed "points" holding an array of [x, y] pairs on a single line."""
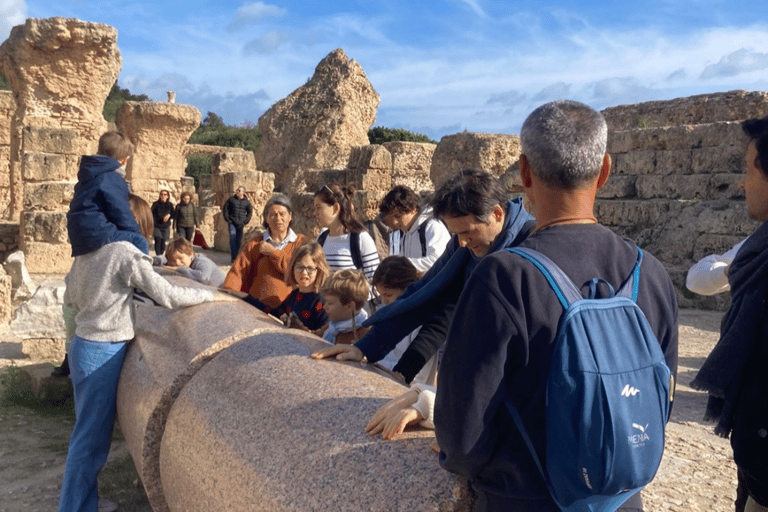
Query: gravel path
{"points": [[697, 473]]}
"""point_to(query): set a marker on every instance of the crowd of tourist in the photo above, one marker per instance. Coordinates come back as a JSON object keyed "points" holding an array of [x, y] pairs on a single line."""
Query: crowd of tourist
{"points": [[451, 272]]}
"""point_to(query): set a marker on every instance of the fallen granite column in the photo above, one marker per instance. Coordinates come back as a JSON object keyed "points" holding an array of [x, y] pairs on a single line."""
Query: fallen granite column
{"points": [[222, 409]]}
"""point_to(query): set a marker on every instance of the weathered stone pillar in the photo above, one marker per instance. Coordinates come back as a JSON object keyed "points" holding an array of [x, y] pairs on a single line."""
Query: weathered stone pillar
{"points": [[222, 409], [7, 110], [60, 71], [160, 132]]}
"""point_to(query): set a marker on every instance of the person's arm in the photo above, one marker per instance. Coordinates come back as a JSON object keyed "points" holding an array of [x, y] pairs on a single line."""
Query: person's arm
{"points": [[437, 236], [425, 345], [194, 216], [176, 216], [471, 383], [709, 276], [248, 213], [240, 275], [280, 258], [369, 254], [225, 211]]}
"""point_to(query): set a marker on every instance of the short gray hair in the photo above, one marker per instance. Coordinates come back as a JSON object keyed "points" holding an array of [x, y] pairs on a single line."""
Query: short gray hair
{"points": [[564, 142]]}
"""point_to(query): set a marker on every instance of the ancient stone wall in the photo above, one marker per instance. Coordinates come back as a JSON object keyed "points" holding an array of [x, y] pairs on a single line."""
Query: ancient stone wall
{"points": [[491, 152], [7, 110], [411, 164], [675, 191], [691, 110]]}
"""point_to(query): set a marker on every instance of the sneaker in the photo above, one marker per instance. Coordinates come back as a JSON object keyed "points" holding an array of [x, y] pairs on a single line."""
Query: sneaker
{"points": [[107, 506]]}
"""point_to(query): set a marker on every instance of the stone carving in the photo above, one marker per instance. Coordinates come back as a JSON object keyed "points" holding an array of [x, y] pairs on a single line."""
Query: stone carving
{"points": [[691, 110], [316, 126], [494, 153], [160, 132], [22, 284]]}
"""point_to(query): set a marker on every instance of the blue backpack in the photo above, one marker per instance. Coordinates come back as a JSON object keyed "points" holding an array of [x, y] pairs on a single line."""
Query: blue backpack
{"points": [[608, 396]]}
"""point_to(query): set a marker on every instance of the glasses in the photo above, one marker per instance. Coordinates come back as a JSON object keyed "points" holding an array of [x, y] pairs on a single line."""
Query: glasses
{"points": [[333, 194], [308, 270]]}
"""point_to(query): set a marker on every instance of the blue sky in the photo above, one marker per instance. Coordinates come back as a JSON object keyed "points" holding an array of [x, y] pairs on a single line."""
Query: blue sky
{"points": [[440, 66]]}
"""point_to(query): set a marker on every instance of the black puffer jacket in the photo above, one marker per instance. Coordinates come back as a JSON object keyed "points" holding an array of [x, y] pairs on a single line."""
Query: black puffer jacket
{"points": [[237, 211]]}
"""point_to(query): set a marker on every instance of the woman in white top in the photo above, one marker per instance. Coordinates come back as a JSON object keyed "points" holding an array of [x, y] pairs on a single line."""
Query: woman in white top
{"points": [[334, 210]]}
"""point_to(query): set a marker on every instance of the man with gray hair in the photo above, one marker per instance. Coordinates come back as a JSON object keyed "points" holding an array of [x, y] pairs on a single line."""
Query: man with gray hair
{"points": [[501, 340]]}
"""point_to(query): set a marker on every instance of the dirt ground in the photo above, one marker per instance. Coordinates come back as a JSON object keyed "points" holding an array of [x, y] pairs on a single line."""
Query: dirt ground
{"points": [[697, 473]]}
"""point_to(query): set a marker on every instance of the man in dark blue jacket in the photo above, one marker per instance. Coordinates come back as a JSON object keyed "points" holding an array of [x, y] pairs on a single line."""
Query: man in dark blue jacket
{"points": [[501, 339]]}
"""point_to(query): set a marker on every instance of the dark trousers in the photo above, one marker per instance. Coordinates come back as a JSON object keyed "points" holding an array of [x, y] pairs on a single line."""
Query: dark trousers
{"points": [[188, 233], [235, 239]]}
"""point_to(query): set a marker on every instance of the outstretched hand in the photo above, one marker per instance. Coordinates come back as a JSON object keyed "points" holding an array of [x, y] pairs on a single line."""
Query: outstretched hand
{"points": [[341, 352], [393, 417]]}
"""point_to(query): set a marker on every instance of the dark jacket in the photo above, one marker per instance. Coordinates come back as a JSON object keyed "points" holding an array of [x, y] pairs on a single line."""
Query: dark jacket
{"points": [[99, 207], [237, 211], [185, 216], [500, 345], [440, 287], [159, 210]]}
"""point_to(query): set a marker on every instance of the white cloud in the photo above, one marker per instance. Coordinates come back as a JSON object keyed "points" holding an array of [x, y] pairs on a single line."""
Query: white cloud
{"points": [[475, 6], [266, 44], [251, 13], [12, 13], [736, 63]]}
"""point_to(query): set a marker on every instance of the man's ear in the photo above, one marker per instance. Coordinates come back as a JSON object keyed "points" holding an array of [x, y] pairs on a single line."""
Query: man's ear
{"points": [[525, 171], [605, 171]]}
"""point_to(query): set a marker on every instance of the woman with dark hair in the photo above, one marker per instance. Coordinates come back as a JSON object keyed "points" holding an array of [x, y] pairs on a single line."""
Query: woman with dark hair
{"points": [[185, 217], [345, 241], [162, 211], [260, 267]]}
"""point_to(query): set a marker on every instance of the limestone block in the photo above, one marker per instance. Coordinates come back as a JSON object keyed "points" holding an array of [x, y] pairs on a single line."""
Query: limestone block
{"points": [[618, 187], [634, 163], [5, 166], [725, 186], [672, 187], [490, 152], [370, 168], [316, 126], [41, 316], [45, 258], [710, 243], [6, 294], [44, 349], [7, 107], [621, 141], [699, 109], [21, 282], [49, 227], [511, 180], [411, 164], [233, 161], [718, 159], [50, 140], [62, 70], [48, 196], [718, 134], [674, 162], [227, 183], [160, 132], [633, 212], [49, 167]]}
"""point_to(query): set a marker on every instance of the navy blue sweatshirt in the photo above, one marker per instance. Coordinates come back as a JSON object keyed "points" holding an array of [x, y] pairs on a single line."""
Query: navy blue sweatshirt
{"points": [[500, 343]]}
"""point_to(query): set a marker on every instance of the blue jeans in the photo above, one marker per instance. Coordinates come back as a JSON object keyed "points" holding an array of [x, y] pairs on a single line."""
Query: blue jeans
{"points": [[235, 239], [95, 370]]}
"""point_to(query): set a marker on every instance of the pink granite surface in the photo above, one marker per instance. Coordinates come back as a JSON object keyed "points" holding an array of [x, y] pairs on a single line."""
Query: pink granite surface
{"points": [[263, 427]]}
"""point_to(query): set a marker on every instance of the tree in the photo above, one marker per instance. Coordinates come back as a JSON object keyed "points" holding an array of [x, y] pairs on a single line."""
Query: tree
{"points": [[380, 135], [213, 120], [117, 97]]}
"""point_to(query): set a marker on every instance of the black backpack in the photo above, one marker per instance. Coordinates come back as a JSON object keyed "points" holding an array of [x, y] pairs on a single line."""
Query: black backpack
{"points": [[354, 247]]}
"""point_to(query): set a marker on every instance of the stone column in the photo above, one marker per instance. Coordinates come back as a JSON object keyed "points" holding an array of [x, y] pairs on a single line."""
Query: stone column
{"points": [[60, 71], [160, 132], [7, 109]]}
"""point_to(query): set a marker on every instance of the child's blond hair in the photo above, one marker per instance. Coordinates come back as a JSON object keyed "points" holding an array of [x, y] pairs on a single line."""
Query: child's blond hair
{"points": [[349, 286], [181, 245], [314, 251], [116, 145]]}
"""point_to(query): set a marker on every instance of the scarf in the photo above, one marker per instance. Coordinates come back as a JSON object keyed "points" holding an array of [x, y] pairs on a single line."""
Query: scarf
{"points": [[721, 373], [340, 326]]}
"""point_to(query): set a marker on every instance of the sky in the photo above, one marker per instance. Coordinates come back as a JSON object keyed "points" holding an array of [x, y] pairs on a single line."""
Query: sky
{"points": [[440, 66]]}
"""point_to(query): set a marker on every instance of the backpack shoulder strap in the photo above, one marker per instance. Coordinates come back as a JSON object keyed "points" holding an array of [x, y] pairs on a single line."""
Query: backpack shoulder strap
{"points": [[630, 286], [423, 237], [322, 237], [354, 249], [567, 292]]}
